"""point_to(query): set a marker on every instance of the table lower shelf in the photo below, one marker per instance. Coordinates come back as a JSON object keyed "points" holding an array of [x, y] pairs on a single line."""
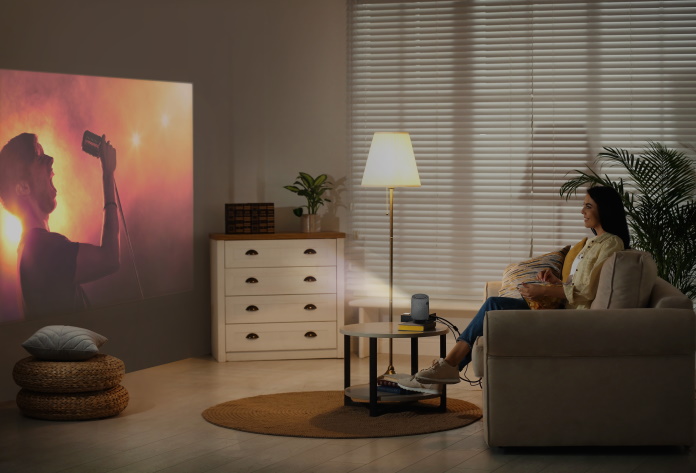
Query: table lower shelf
{"points": [[361, 393]]}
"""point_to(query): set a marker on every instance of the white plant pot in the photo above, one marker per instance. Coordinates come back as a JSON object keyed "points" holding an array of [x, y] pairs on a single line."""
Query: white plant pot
{"points": [[310, 223]]}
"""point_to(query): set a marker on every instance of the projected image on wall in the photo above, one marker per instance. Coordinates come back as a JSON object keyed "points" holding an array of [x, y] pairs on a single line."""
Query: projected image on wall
{"points": [[96, 192]]}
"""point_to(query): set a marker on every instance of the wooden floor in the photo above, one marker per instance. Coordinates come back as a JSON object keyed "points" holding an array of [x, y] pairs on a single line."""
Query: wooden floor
{"points": [[162, 430]]}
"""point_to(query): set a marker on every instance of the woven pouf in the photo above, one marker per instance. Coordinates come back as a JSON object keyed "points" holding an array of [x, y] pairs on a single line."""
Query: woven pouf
{"points": [[71, 390], [95, 374], [73, 406]]}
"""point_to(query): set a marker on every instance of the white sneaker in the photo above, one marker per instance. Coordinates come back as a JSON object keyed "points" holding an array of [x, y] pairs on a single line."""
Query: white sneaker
{"points": [[440, 372], [411, 384]]}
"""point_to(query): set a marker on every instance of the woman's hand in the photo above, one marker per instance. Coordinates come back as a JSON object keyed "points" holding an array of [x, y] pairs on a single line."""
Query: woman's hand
{"points": [[547, 276], [539, 291]]}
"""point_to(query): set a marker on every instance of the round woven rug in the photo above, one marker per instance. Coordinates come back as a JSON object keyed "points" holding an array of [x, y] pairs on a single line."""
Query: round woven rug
{"points": [[321, 414]]}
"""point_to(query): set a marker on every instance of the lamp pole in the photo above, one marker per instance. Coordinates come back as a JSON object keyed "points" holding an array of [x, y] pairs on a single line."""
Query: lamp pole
{"points": [[390, 368]]}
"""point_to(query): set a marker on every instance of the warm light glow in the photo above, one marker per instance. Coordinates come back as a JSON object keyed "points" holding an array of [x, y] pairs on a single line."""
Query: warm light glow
{"points": [[11, 228], [135, 139], [391, 162], [165, 120]]}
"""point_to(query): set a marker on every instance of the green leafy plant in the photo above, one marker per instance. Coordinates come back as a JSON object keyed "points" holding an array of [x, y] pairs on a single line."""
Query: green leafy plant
{"points": [[659, 197], [312, 188]]}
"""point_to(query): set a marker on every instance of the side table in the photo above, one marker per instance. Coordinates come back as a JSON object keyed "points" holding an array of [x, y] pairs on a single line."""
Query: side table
{"points": [[373, 331]]}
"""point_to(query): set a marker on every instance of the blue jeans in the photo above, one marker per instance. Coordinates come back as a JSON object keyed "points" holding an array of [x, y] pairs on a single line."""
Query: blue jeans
{"points": [[475, 328]]}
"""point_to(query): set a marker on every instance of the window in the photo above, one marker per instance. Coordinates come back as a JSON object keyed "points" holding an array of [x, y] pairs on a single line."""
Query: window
{"points": [[502, 99]]}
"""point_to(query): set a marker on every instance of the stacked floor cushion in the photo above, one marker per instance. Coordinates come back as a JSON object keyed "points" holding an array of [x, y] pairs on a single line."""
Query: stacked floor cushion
{"points": [[71, 390]]}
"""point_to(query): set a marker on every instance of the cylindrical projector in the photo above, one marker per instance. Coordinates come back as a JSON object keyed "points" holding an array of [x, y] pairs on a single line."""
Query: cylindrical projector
{"points": [[420, 307]]}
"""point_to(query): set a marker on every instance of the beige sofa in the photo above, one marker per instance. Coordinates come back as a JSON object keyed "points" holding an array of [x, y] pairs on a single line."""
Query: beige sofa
{"points": [[611, 375]]}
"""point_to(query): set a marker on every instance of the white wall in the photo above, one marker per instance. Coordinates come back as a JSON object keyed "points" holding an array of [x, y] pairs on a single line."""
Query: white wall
{"points": [[289, 102], [269, 80]]}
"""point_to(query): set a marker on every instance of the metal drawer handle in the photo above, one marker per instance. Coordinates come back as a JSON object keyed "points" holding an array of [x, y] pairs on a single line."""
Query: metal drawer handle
{"points": [[252, 308], [310, 279], [252, 336], [251, 253], [310, 251], [251, 281], [310, 307], [310, 334]]}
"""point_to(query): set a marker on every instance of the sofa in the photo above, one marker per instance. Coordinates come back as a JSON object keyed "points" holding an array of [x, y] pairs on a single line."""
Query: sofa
{"points": [[618, 374]]}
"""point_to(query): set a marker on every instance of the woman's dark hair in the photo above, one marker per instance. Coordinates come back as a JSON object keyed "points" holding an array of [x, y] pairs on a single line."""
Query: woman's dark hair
{"points": [[612, 215]]}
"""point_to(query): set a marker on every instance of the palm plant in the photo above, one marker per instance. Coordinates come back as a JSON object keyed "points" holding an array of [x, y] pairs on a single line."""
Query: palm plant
{"points": [[312, 188], [659, 197]]}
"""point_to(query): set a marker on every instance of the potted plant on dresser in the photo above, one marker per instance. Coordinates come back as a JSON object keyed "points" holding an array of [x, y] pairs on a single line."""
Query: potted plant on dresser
{"points": [[312, 188]]}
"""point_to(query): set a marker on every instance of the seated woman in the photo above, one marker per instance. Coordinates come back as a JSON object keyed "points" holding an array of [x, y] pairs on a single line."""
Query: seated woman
{"points": [[604, 214]]}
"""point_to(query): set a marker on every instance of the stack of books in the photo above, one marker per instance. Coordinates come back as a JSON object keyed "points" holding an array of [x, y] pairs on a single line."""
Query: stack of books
{"points": [[390, 384], [387, 386], [249, 218]]}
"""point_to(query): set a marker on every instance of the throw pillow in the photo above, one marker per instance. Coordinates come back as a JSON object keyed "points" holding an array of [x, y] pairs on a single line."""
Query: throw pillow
{"points": [[626, 281], [570, 257], [526, 271], [64, 343]]}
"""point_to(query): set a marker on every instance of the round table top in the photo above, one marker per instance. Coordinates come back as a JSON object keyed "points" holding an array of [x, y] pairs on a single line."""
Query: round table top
{"points": [[388, 330]]}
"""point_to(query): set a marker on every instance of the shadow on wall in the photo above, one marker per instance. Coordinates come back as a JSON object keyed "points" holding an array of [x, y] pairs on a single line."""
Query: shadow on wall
{"points": [[330, 222]]}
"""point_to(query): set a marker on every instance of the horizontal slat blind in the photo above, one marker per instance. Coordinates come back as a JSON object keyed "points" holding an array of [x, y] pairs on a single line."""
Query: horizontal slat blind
{"points": [[502, 99]]}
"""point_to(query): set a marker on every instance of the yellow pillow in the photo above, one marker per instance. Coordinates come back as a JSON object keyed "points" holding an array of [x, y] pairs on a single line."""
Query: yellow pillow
{"points": [[570, 257], [544, 302]]}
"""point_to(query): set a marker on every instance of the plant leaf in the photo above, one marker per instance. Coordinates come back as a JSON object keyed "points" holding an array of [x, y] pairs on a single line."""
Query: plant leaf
{"points": [[320, 180], [307, 179]]}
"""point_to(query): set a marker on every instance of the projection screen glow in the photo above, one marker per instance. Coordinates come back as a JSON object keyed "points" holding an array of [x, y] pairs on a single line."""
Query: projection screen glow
{"points": [[150, 125]]}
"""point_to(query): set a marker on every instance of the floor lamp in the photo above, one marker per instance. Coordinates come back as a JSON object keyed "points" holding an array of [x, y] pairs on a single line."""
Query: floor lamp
{"points": [[391, 163]]}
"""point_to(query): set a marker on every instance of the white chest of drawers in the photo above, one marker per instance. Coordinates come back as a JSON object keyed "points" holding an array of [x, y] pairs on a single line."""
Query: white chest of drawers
{"points": [[277, 296]]}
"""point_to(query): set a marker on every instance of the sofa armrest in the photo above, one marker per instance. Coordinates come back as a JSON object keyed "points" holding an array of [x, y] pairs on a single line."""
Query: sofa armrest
{"points": [[664, 295], [578, 333], [586, 372], [492, 289]]}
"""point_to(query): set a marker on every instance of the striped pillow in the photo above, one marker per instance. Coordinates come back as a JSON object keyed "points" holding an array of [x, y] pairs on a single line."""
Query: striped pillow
{"points": [[526, 271]]}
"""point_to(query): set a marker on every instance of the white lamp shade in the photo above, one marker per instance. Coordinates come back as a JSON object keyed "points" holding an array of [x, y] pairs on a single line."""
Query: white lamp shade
{"points": [[391, 162]]}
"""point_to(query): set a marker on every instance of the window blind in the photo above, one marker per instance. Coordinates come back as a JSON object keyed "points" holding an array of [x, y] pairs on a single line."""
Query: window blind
{"points": [[503, 99]]}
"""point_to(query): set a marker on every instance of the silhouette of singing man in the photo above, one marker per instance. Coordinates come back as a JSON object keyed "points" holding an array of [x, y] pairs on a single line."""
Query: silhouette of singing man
{"points": [[51, 267]]}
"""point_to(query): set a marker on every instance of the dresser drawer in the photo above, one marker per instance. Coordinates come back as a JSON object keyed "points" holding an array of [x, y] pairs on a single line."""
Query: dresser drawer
{"points": [[291, 308], [303, 280], [280, 336], [271, 253]]}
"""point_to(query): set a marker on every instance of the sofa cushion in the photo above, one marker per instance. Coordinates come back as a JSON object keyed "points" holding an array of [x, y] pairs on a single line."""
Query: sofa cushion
{"points": [[570, 257], [626, 281], [526, 271]]}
